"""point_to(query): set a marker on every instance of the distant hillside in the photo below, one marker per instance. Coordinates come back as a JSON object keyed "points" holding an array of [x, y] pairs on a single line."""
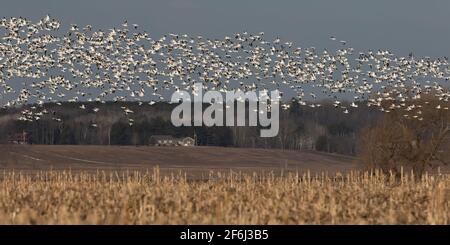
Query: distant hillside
{"points": [[194, 160]]}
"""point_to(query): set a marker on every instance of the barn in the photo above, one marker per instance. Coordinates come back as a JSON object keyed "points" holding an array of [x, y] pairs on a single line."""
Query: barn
{"points": [[169, 140], [19, 138]]}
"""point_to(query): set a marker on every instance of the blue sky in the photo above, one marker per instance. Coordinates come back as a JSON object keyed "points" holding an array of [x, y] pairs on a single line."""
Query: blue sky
{"points": [[402, 26]]}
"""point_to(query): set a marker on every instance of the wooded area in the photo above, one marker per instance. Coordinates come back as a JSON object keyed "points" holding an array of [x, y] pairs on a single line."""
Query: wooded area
{"points": [[301, 127]]}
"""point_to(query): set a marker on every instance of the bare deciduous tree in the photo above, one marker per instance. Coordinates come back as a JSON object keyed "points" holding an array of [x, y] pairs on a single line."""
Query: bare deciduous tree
{"points": [[415, 136]]}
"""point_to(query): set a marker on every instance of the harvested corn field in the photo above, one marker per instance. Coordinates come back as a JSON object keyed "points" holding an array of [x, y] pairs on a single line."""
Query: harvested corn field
{"points": [[58, 197]]}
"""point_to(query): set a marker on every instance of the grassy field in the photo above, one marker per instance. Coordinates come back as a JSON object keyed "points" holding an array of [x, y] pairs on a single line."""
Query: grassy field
{"points": [[222, 198]]}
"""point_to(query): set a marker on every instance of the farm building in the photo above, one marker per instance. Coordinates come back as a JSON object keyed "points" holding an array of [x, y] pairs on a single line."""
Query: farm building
{"points": [[187, 141], [19, 138], [169, 140]]}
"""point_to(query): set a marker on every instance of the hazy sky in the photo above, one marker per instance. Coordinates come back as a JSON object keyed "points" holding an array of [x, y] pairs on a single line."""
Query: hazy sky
{"points": [[403, 26]]}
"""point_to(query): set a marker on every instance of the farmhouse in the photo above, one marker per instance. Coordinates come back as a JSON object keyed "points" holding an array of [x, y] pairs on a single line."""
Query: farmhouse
{"points": [[169, 140], [19, 138], [187, 141]]}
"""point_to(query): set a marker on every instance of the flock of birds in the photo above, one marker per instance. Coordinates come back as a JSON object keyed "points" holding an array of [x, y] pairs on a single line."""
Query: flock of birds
{"points": [[42, 63]]}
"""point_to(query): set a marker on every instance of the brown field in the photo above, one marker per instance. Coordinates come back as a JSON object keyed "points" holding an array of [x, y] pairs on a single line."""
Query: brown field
{"points": [[226, 198], [193, 160]]}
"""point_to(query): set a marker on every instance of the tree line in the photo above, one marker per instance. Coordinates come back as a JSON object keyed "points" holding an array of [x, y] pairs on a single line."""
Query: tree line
{"points": [[323, 128]]}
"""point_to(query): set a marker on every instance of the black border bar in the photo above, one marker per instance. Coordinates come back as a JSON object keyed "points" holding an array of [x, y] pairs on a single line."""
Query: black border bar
{"points": [[235, 234]]}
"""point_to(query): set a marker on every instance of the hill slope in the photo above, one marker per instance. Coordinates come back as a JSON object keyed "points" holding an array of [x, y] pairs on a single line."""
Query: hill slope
{"points": [[194, 159]]}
